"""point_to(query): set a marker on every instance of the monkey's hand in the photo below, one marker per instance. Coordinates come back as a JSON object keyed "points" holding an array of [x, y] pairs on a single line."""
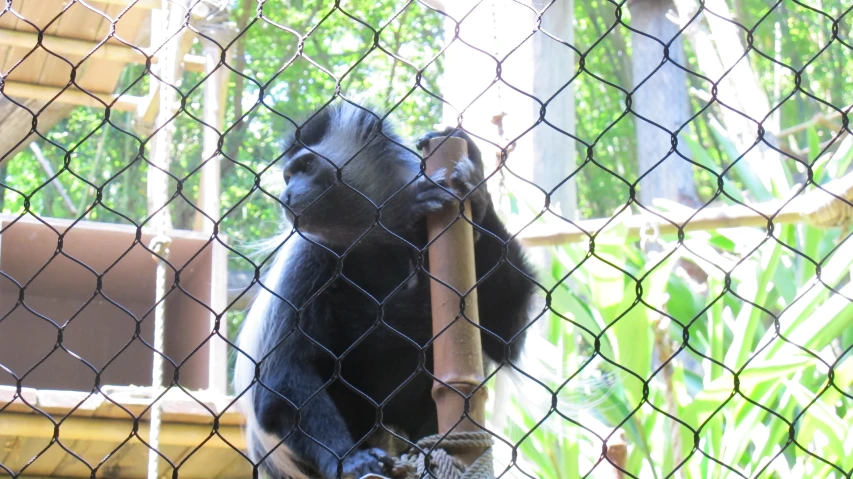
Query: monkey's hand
{"points": [[466, 180], [367, 461]]}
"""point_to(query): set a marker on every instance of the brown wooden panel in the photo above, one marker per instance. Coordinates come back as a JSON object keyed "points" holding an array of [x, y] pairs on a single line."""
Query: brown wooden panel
{"points": [[208, 461], [59, 290]]}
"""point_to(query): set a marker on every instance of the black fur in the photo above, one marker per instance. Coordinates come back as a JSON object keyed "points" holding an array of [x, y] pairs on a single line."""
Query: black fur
{"points": [[370, 308]]}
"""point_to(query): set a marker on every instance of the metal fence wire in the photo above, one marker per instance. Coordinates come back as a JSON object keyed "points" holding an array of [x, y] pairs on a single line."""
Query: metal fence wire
{"points": [[677, 172]]}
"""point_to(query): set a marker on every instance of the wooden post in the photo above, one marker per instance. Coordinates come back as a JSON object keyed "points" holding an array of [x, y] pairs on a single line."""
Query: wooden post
{"points": [[209, 201], [457, 352], [617, 453]]}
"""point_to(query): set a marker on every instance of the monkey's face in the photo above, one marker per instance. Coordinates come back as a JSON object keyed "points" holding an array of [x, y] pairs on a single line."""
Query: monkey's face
{"points": [[325, 200], [343, 166]]}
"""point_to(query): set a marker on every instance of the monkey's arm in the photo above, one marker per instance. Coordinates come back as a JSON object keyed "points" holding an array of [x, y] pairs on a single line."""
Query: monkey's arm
{"points": [[291, 403], [291, 400]]}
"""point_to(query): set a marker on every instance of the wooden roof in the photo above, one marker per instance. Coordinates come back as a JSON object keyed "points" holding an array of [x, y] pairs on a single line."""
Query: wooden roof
{"points": [[60, 19]]}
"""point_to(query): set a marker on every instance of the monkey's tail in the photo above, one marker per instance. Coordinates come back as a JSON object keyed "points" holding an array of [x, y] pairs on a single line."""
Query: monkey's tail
{"points": [[281, 462]]}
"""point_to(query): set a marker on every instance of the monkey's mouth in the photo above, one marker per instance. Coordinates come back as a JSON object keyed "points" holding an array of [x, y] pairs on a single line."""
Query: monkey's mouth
{"points": [[299, 220], [288, 215]]}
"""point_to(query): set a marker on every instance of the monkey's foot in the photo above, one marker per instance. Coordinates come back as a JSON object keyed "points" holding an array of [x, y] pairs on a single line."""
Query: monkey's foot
{"points": [[367, 461]]}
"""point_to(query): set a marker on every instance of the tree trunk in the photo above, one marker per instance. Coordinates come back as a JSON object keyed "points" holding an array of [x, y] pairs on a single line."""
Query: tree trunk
{"points": [[663, 100], [553, 158]]}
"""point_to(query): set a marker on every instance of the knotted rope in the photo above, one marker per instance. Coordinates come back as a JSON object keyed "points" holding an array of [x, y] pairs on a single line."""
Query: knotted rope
{"points": [[441, 465]]}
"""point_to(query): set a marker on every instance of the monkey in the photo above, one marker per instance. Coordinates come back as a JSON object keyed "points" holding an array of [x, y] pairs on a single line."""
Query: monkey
{"points": [[334, 350]]}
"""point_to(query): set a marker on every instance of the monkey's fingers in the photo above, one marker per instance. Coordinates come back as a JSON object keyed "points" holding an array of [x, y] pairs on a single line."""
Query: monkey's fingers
{"points": [[465, 178], [432, 200], [449, 131]]}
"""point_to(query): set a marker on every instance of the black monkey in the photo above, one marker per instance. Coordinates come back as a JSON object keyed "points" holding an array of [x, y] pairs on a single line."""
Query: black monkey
{"points": [[342, 337]]}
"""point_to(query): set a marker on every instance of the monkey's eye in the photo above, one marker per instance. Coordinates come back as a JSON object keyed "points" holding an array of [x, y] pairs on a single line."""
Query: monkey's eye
{"points": [[296, 166]]}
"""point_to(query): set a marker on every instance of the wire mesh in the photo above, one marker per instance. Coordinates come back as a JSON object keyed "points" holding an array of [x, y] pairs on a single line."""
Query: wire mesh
{"points": [[696, 341]]}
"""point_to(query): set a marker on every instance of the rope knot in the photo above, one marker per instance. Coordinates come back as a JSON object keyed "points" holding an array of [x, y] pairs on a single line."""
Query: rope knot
{"points": [[442, 465], [160, 246]]}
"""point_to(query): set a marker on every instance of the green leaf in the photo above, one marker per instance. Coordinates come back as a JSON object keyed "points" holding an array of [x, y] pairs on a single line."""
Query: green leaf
{"points": [[701, 156], [819, 416], [606, 266], [806, 317], [756, 374], [745, 171], [683, 302], [721, 242], [814, 144], [750, 317], [567, 304], [829, 166]]}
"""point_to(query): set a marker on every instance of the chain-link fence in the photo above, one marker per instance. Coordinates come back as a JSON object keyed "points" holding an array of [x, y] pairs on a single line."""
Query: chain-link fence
{"points": [[676, 172]]}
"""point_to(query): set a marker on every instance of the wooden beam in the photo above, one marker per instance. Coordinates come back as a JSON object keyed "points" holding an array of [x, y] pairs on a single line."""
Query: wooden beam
{"points": [[71, 96], [707, 219], [819, 119], [117, 430], [73, 46], [816, 208], [146, 4]]}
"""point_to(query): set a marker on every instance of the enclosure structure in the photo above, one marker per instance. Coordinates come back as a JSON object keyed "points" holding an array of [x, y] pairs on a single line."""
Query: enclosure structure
{"points": [[679, 171], [78, 296]]}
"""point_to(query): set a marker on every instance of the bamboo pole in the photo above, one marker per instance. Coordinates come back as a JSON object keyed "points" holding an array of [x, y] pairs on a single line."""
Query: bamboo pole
{"points": [[818, 119], [71, 96], [28, 425], [457, 350], [817, 208], [72, 46]]}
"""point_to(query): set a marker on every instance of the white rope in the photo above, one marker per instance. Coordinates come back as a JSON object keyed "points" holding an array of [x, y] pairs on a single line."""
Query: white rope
{"points": [[171, 18], [160, 245]]}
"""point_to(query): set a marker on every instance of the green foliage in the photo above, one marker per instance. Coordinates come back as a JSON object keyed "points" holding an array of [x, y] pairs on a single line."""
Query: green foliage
{"points": [[747, 359], [600, 109], [727, 354]]}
